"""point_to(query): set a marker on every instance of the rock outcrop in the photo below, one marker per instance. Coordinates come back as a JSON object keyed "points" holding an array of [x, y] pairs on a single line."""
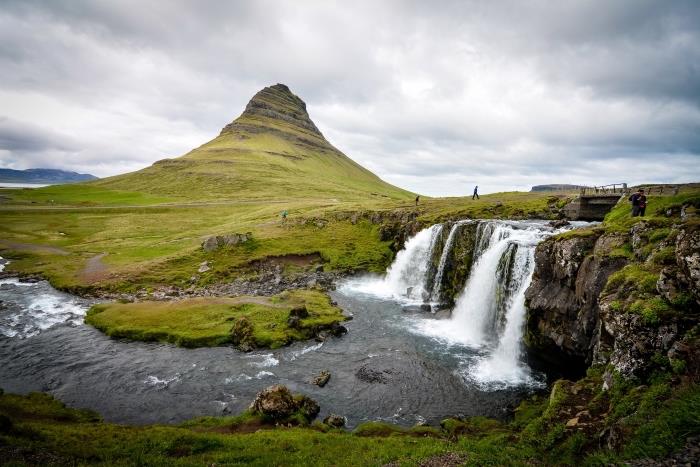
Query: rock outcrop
{"points": [[457, 261], [632, 322], [275, 103], [220, 241], [322, 379], [688, 258], [562, 300]]}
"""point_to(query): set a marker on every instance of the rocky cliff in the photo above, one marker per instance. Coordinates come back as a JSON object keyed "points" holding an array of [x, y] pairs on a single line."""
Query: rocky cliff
{"points": [[624, 295], [455, 250]]}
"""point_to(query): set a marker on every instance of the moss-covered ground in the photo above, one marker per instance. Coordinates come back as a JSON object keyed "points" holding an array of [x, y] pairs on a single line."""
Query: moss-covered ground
{"points": [[211, 321]]}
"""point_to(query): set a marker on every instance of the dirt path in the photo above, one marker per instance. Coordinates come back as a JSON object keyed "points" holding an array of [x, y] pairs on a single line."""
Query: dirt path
{"points": [[95, 270]]}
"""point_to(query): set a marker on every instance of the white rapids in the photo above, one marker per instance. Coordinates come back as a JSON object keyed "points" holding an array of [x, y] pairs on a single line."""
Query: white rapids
{"points": [[29, 308]]}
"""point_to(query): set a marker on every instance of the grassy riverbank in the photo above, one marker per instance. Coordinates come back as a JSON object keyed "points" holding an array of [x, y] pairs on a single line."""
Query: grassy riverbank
{"points": [[39, 430], [256, 322]]}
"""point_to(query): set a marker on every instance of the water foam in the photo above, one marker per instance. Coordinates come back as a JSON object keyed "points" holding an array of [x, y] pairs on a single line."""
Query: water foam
{"points": [[158, 383], [293, 355], [268, 360], [33, 307]]}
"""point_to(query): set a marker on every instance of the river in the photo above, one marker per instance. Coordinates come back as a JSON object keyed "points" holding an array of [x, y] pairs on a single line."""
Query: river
{"points": [[393, 365]]}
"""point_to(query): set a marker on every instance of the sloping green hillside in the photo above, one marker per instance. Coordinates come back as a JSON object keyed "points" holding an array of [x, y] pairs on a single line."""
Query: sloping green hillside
{"points": [[272, 151]]}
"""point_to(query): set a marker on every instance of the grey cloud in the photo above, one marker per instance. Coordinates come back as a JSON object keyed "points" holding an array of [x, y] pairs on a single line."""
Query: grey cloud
{"points": [[509, 91], [26, 137]]}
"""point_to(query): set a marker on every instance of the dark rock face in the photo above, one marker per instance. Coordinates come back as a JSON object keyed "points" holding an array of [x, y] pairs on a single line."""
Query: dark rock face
{"points": [[458, 262], [688, 258], [562, 301], [275, 103], [630, 326], [628, 344]]}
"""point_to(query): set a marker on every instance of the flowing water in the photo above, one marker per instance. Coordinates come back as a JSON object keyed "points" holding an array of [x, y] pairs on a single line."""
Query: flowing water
{"points": [[392, 365]]}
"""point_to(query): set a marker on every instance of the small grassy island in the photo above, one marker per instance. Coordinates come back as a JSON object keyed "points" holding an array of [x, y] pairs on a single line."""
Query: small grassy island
{"points": [[246, 322]]}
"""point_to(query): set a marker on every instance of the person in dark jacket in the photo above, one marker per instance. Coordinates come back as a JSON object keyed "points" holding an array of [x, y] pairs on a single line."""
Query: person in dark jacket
{"points": [[476, 194], [639, 203]]}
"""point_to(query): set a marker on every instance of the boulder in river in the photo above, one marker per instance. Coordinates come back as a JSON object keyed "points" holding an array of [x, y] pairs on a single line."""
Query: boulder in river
{"points": [[334, 421], [277, 403], [322, 378]]}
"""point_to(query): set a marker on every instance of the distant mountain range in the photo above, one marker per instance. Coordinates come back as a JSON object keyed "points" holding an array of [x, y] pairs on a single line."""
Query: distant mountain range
{"points": [[556, 187], [42, 176]]}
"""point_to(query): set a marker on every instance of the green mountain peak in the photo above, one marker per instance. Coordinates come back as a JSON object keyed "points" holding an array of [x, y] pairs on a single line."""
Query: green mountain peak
{"points": [[274, 104], [273, 150]]}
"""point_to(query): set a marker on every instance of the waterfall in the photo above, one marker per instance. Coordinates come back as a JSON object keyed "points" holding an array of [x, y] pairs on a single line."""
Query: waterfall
{"points": [[407, 278], [489, 313], [476, 312], [504, 363], [447, 249]]}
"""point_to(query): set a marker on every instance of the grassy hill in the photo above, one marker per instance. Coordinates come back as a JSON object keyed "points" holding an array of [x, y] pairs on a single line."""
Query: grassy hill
{"points": [[272, 151]]}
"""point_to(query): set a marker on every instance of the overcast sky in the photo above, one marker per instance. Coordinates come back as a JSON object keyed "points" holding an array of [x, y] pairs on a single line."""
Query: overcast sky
{"points": [[432, 96]]}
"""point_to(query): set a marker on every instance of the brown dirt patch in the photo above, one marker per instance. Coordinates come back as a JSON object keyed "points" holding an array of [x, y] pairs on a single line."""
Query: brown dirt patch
{"points": [[95, 270]]}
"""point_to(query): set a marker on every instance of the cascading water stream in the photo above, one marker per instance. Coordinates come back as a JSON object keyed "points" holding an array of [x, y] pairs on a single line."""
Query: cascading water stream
{"points": [[407, 277], [489, 314], [507, 355], [476, 310]]}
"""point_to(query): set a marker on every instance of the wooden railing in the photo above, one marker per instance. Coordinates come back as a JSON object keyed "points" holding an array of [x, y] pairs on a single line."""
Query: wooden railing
{"points": [[613, 188], [621, 188]]}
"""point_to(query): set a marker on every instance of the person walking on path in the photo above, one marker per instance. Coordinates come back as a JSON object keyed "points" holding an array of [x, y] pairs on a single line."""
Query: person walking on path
{"points": [[476, 192], [639, 203], [417, 198]]}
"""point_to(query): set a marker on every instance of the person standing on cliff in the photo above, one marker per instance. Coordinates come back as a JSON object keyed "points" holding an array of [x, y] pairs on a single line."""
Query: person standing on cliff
{"points": [[639, 203], [476, 192], [417, 199]]}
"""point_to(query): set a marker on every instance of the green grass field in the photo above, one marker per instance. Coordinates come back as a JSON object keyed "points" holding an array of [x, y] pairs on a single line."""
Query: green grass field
{"points": [[159, 244]]}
